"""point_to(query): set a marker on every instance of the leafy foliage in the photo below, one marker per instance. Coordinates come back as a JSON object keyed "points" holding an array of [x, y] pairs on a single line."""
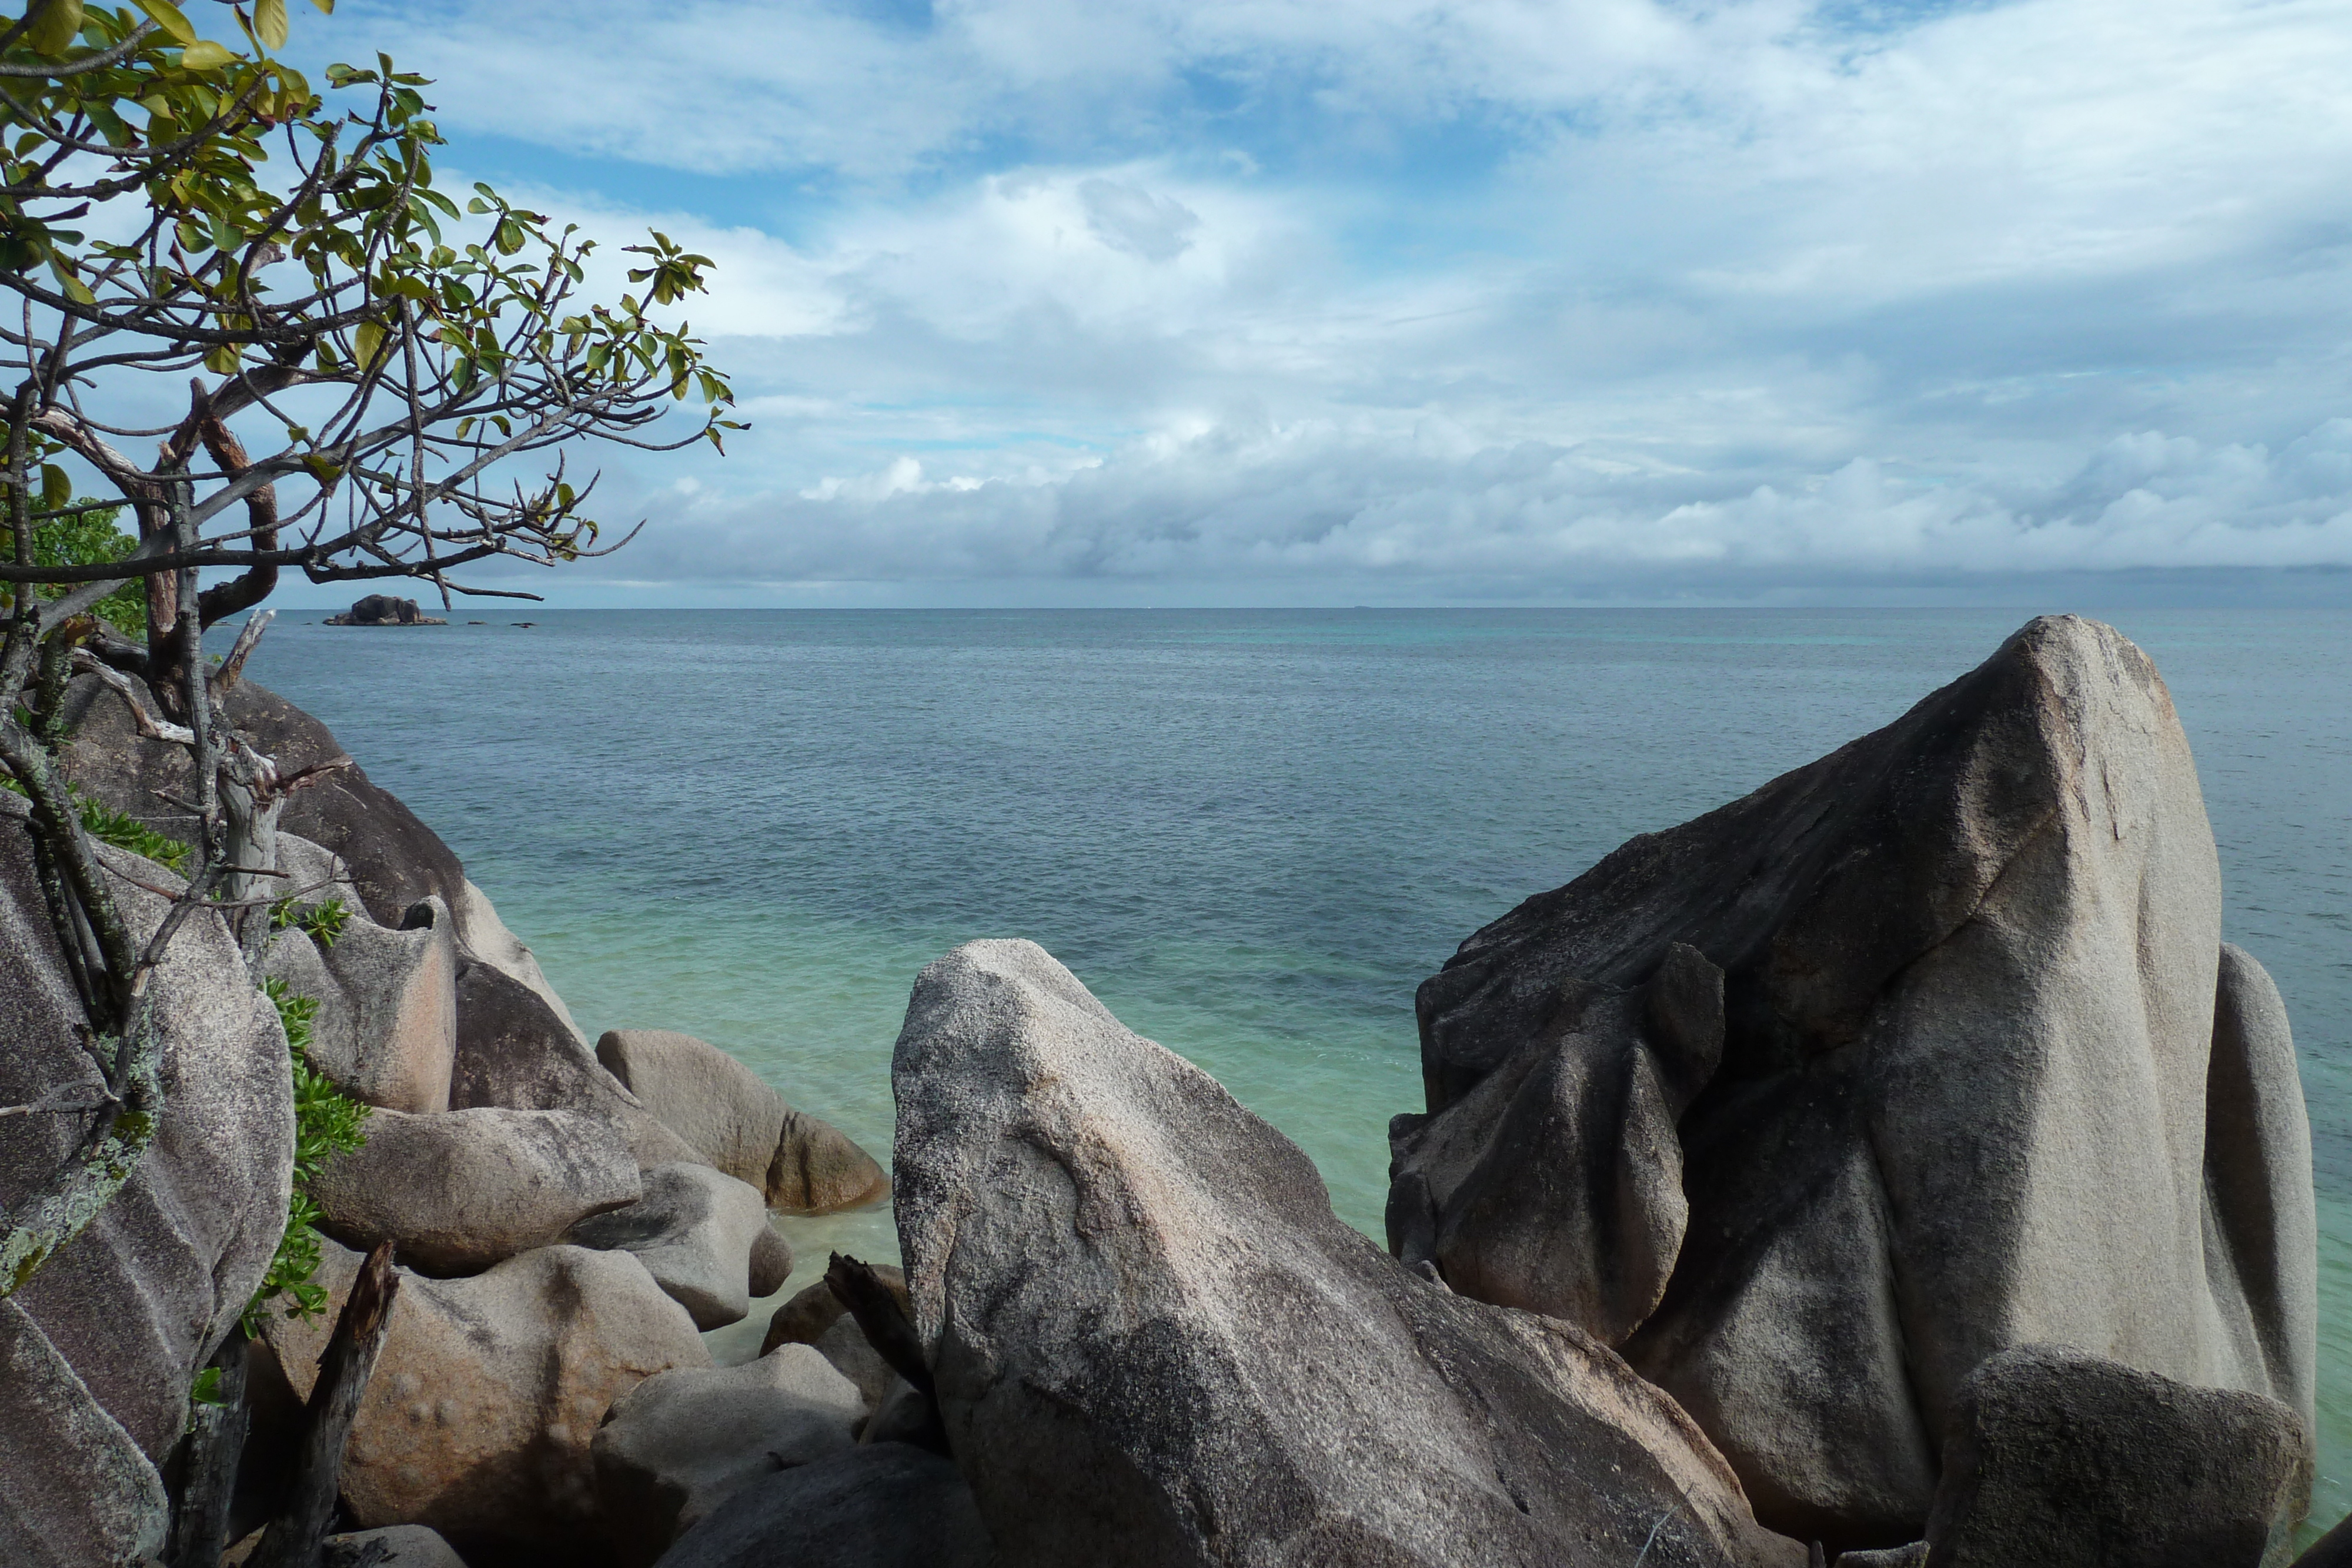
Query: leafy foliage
{"points": [[323, 921], [84, 535], [280, 242], [327, 1123], [121, 829]]}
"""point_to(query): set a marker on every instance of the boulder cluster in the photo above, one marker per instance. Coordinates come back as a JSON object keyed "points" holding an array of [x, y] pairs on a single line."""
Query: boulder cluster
{"points": [[1891, 1168], [384, 609]]}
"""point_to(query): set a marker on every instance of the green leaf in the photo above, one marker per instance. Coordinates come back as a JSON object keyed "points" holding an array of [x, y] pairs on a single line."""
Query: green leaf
{"points": [[167, 16], [57, 489], [207, 1388], [269, 22], [56, 29], [206, 56], [369, 341], [326, 6], [222, 359]]}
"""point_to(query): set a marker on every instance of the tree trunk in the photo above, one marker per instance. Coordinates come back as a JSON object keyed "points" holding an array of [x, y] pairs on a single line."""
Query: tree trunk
{"points": [[214, 1441], [294, 1538]]}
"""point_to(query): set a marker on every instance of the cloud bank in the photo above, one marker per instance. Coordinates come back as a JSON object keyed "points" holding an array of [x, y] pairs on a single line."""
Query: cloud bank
{"points": [[1486, 300]]}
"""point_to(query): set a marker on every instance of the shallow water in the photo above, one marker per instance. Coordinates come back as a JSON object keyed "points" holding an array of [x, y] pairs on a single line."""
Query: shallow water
{"points": [[1252, 833]]}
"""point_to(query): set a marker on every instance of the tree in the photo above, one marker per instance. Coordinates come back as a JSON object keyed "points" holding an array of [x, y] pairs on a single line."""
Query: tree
{"points": [[392, 358]]}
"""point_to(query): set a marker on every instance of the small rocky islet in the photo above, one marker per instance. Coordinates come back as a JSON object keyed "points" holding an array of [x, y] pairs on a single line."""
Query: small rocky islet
{"points": [[1892, 1167]]}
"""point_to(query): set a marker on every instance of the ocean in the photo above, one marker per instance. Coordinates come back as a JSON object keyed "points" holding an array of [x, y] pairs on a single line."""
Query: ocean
{"points": [[1252, 833]]}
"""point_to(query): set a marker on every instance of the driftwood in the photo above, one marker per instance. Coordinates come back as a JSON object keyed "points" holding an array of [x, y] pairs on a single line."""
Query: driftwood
{"points": [[214, 1440], [880, 1318], [297, 1537]]}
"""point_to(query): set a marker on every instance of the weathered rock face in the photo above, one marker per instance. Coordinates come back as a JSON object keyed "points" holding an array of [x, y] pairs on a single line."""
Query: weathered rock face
{"points": [[459, 1191], [1919, 1052], [771, 1261], [816, 1317], [137, 1301], [694, 1230], [477, 1420], [1154, 1344], [2059, 1457], [74, 1489], [394, 860], [384, 609], [680, 1443], [513, 1050], [487, 939], [386, 1029], [884, 1506], [740, 1124]]}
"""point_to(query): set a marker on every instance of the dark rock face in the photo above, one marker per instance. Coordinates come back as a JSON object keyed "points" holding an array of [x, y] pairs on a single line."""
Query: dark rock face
{"points": [[883, 1506], [512, 1050], [394, 860], [384, 609], [1155, 1345], [2058, 1457], [137, 1300], [1919, 1052]]}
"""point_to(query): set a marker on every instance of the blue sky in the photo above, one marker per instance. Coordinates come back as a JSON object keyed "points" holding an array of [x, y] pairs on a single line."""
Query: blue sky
{"points": [[1038, 301]]}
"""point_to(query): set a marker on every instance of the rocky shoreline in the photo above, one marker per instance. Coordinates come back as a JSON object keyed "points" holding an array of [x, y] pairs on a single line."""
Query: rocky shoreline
{"points": [[1892, 1167]]}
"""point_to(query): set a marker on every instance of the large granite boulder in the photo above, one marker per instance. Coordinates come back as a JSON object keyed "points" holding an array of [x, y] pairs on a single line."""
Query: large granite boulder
{"points": [[740, 1124], [138, 1300], [394, 860], [514, 1051], [680, 1443], [74, 1489], [486, 940], [459, 1191], [883, 1506], [2058, 1457], [1923, 1051], [1153, 1343], [694, 1230], [489, 1389], [386, 1029]]}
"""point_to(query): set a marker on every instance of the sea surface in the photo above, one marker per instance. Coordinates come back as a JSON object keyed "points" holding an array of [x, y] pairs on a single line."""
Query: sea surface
{"points": [[1251, 833]]}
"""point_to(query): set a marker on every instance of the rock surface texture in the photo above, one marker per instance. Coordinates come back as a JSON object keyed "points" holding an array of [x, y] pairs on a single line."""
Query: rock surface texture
{"points": [[393, 858], [386, 1029], [74, 1489], [514, 1051], [695, 1230], [2059, 1457], [477, 1420], [884, 1506], [459, 1191], [1155, 1345], [1919, 1052], [680, 1443], [138, 1299], [740, 1124]]}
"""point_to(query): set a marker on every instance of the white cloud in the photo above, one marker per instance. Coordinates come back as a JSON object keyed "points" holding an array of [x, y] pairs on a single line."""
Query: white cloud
{"points": [[1483, 295]]}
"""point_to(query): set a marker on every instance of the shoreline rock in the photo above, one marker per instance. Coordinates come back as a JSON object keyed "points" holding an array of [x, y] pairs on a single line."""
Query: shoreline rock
{"points": [[1153, 1342], [1817, 1101]]}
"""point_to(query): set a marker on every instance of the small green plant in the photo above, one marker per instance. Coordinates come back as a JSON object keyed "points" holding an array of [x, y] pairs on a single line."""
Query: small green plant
{"points": [[120, 829], [327, 1123], [323, 923], [88, 537]]}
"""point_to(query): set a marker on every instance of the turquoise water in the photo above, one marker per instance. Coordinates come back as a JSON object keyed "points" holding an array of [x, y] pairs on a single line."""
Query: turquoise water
{"points": [[1252, 833]]}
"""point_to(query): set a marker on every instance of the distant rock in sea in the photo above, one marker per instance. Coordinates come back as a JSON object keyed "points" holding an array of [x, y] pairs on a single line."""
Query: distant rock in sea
{"points": [[384, 609]]}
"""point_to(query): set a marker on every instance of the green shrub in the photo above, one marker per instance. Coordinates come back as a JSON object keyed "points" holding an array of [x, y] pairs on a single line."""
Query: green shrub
{"points": [[327, 1123], [120, 829], [89, 538], [323, 921]]}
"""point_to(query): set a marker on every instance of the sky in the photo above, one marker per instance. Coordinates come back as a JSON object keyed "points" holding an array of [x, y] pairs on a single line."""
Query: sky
{"points": [[1254, 301]]}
